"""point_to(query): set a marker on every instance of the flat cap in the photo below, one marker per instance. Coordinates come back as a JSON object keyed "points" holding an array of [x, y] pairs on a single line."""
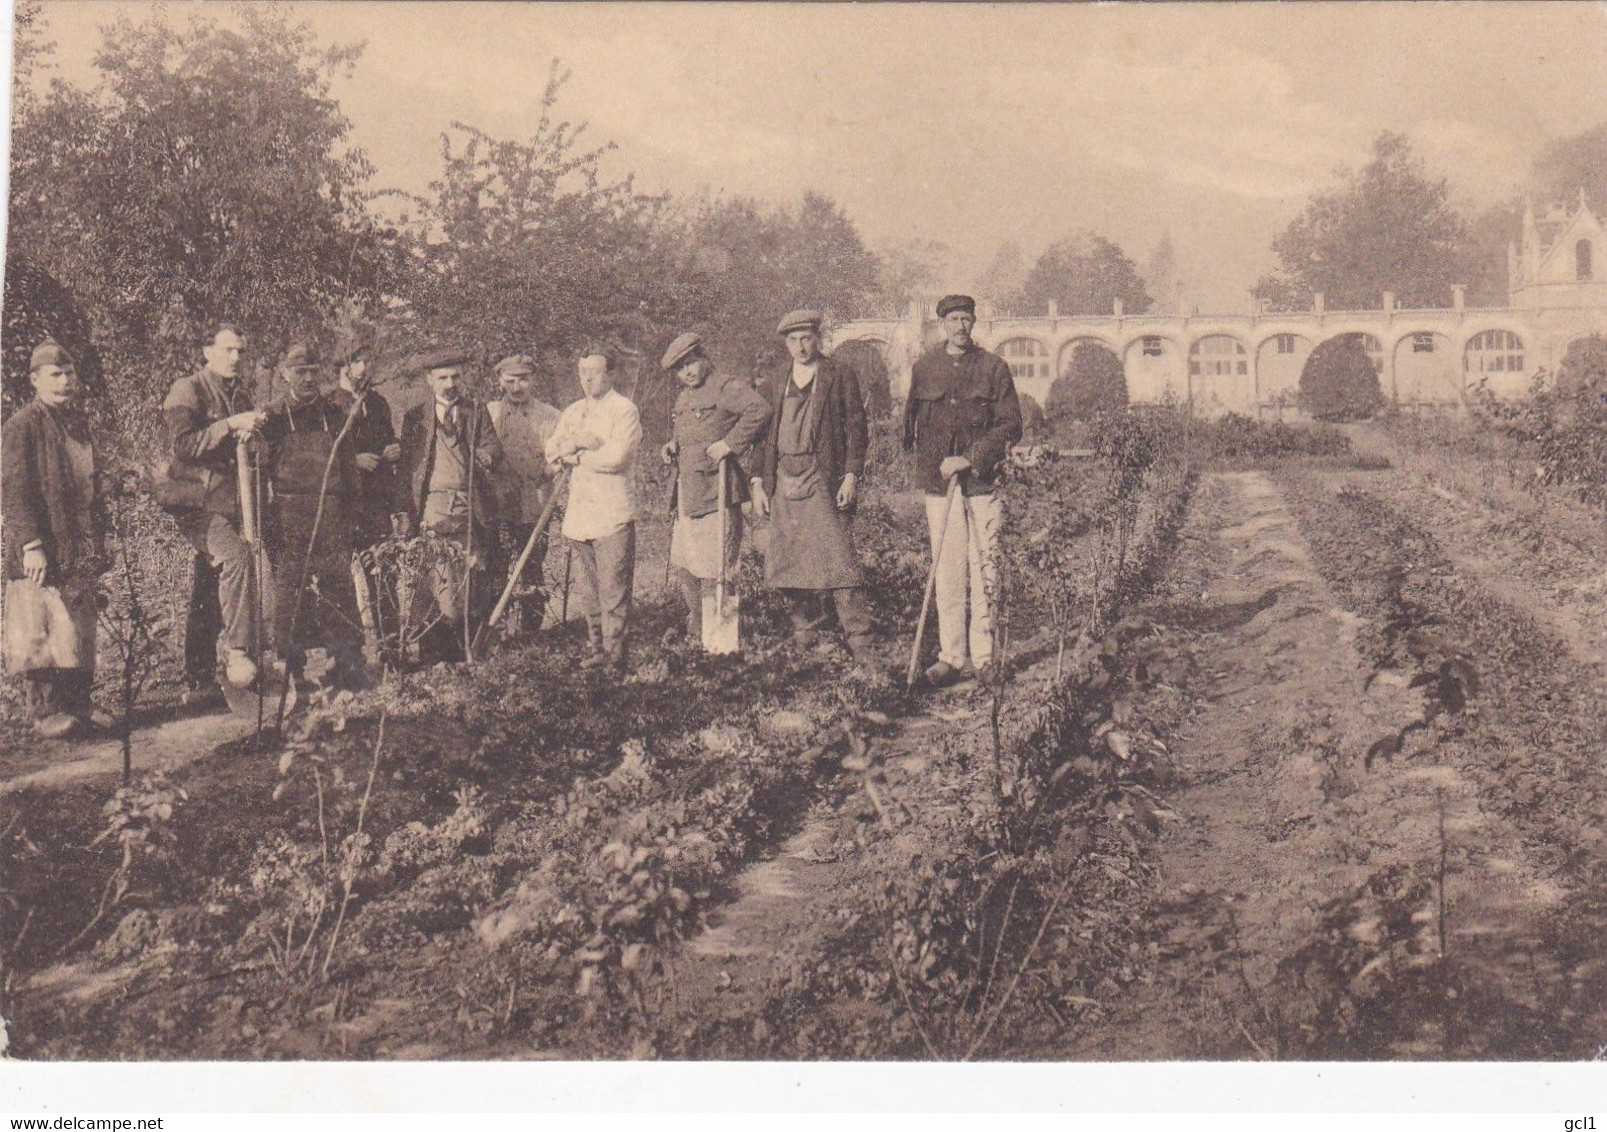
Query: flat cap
{"points": [[802, 319], [442, 357], [950, 303], [300, 355], [49, 353], [516, 363], [682, 348]]}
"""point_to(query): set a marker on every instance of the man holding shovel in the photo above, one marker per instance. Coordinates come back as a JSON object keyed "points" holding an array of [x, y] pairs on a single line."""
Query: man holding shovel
{"points": [[715, 423], [961, 418], [808, 486]]}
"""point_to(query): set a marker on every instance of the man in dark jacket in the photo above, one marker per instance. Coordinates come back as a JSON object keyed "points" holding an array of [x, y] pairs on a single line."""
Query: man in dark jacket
{"points": [[207, 415], [303, 427], [54, 526], [960, 421], [808, 484], [445, 487], [372, 439], [714, 426]]}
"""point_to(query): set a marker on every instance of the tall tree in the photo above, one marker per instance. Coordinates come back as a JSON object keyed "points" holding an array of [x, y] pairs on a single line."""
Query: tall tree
{"points": [[909, 269], [1570, 164], [1083, 274], [208, 175], [523, 244], [1389, 227], [1001, 280], [1160, 275]]}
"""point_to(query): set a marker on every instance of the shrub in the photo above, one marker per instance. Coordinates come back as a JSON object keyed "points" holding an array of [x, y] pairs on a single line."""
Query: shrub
{"points": [[1094, 383], [1339, 382]]}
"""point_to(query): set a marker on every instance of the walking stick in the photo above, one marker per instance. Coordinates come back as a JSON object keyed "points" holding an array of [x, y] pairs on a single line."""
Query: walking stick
{"points": [[931, 580], [675, 471], [719, 586], [518, 568], [720, 635], [569, 560]]}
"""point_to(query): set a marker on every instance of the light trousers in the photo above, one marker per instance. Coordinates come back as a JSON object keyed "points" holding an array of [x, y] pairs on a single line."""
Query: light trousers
{"points": [[966, 573]]}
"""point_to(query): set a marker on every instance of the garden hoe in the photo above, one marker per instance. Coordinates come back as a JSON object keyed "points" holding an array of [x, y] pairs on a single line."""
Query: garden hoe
{"points": [[721, 631], [518, 568], [272, 695], [931, 582]]}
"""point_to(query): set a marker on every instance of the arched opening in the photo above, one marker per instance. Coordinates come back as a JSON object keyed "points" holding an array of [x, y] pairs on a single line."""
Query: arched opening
{"points": [[1091, 383], [867, 357], [1278, 362], [1583, 254], [1426, 374], [1151, 363], [1219, 376], [1028, 359], [1495, 357], [1069, 350]]}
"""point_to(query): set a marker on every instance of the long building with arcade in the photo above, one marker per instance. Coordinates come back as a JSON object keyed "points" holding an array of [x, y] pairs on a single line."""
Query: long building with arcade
{"points": [[1426, 358]]}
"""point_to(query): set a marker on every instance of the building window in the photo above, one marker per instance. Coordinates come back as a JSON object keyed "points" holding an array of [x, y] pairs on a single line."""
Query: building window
{"points": [[1028, 358], [1286, 343], [1582, 256], [1422, 343], [1152, 346], [1494, 351], [1218, 355]]}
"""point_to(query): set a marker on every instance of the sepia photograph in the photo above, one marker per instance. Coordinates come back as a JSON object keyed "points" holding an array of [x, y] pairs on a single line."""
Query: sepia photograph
{"points": [[804, 533]]}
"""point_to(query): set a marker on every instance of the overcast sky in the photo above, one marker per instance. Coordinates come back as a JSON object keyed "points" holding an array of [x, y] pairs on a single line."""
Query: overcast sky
{"points": [[971, 124]]}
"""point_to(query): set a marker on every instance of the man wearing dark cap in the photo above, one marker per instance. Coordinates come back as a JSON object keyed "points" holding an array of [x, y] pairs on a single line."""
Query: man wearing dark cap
{"points": [[715, 424], [960, 420], [372, 439], [314, 605], [207, 416], [524, 480], [808, 484], [53, 545], [444, 486]]}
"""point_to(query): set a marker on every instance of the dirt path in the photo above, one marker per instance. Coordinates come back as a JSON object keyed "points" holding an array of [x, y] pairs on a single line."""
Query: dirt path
{"points": [[163, 747], [1304, 883]]}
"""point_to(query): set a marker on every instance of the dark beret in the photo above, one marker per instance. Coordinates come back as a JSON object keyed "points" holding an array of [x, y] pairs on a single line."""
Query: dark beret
{"points": [[950, 303], [681, 349], [802, 319]]}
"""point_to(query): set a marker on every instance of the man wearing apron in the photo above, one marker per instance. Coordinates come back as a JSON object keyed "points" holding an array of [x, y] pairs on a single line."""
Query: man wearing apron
{"points": [[715, 423], [316, 606], [809, 487], [524, 482]]}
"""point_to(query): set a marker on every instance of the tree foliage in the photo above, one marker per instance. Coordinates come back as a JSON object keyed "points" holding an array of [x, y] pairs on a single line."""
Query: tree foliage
{"points": [[1094, 383], [1339, 381], [522, 245], [206, 176], [1568, 165], [1083, 274], [1389, 227]]}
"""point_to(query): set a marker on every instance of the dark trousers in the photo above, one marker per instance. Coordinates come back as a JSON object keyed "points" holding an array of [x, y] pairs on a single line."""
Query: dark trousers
{"points": [[202, 626], [607, 568], [805, 609], [324, 606], [530, 591], [52, 691]]}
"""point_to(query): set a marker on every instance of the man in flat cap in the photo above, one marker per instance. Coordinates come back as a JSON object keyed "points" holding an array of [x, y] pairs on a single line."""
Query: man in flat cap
{"points": [[715, 424], [207, 416], [597, 437], [961, 418], [376, 451], [524, 480], [315, 605], [54, 551], [444, 487], [808, 484]]}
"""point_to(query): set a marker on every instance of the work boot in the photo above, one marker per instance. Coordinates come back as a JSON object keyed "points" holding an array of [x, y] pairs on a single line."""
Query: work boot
{"points": [[942, 674], [864, 652], [239, 669], [593, 660]]}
